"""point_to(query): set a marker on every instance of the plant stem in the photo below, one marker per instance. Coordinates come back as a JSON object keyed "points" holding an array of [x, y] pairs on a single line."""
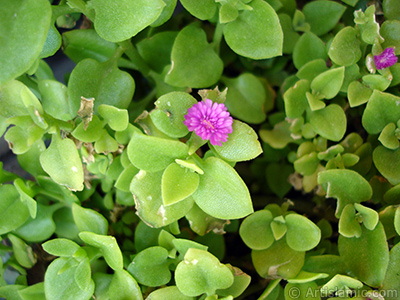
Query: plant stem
{"points": [[217, 37], [271, 286], [135, 57]]}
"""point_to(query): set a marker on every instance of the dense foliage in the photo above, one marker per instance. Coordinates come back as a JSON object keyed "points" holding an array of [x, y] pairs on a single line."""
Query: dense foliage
{"points": [[206, 149]]}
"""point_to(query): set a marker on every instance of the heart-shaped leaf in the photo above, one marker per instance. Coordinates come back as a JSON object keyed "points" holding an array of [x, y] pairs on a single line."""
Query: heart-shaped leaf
{"points": [[387, 162], [194, 62], [60, 281], [178, 183], [345, 48], [63, 163], [346, 186], [150, 267], [302, 234], [154, 154], [146, 190], [221, 192], [242, 144], [382, 109], [102, 81], [255, 230], [201, 272], [329, 122], [367, 257], [17, 54], [119, 21], [251, 37]]}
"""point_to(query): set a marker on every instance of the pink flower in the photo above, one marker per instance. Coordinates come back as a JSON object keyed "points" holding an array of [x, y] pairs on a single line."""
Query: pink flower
{"points": [[386, 59], [210, 121]]}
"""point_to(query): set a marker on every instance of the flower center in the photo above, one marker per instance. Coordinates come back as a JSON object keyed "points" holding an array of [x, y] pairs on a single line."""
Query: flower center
{"points": [[208, 124]]}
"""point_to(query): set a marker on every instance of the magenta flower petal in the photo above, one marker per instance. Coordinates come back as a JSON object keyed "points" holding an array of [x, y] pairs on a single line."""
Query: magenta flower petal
{"points": [[386, 59], [210, 121]]}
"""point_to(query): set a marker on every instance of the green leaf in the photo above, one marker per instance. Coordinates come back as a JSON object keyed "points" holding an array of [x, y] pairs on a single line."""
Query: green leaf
{"points": [[21, 137], [250, 36], [63, 163], [11, 99], [201, 9], [55, 99], [369, 217], [346, 186], [279, 136], [309, 47], [124, 287], [150, 267], [341, 283], [193, 61], [13, 212], [295, 99], [154, 154], [390, 31], [52, 43], [329, 122], [302, 291], [91, 133], [87, 219], [312, 69], [382, 109], [367, 257], [166, 13], [119, 21], [146, 190], [328, 83], [302, 234], [61, 247], [169, 292], [60, 283], [323, 15], [33, 292], [307, 164], [256, 232], [358, 94], [377, 82], [277, 175], [242, 144], [246, 98], [178, 183], [170, 112], [125, 178], [228, 13], [392, 278], [22, 252], [22, 34], [116, 118], [102, 81], [240, 282], [109, 248], [278, 261], [40, 228], [387, 162], [81, 44], [26, 195], [290, 36], [348, 223], [391, 9], [345, 48], [156, 50], [305, 277], [221, 192], [29, 160], [201, 272]]}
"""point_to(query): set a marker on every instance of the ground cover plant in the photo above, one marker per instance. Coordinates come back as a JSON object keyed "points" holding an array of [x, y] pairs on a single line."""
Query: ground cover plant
{"points": [[201, 149]]}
